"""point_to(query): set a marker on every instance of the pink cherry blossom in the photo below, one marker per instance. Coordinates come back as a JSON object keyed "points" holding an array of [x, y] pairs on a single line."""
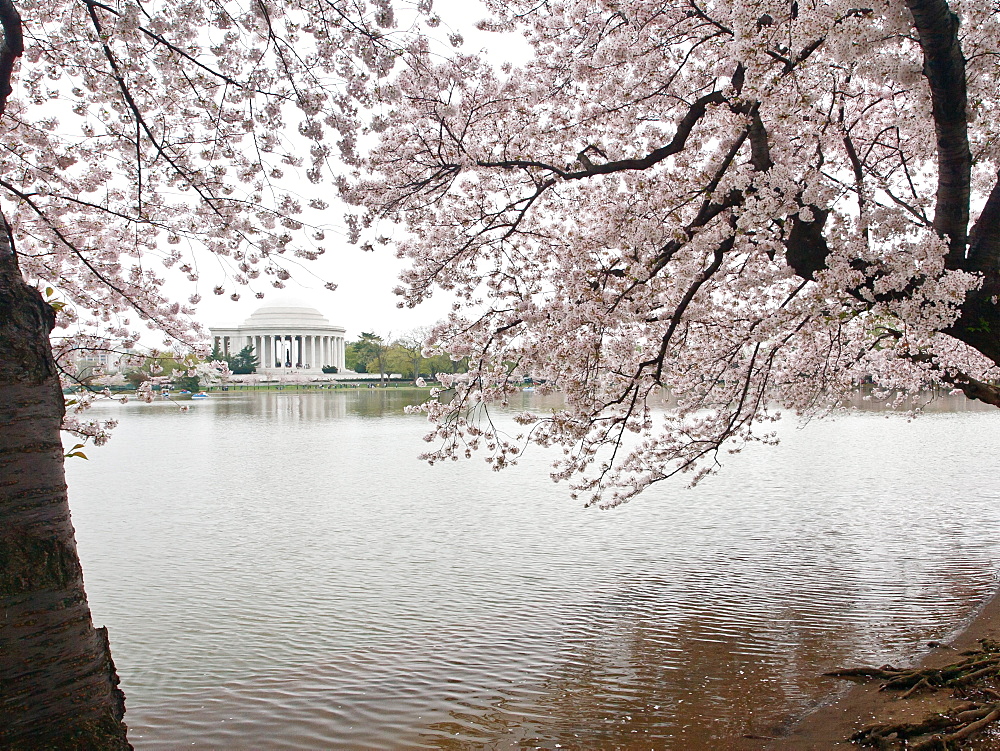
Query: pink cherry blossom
{"points": [[144, 139], [683, 215]]}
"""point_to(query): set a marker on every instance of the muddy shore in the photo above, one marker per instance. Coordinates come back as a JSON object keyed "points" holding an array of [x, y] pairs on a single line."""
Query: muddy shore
{"points": [[829, 727]]}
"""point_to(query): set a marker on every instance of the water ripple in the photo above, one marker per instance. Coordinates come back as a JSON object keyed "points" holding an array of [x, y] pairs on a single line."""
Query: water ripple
{"points": [[278, 573]]}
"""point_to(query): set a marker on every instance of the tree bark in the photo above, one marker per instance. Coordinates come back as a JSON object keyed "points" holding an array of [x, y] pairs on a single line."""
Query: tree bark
{"points": [[944, 69], [58, 685]]}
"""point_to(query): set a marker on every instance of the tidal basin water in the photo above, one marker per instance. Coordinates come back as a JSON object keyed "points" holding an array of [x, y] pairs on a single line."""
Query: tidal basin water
{"points": [[279, 571]]}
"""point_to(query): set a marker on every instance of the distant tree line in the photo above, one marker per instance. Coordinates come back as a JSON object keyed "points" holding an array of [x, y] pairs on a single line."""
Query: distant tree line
{"points": [[370, 353], [404, 355]]}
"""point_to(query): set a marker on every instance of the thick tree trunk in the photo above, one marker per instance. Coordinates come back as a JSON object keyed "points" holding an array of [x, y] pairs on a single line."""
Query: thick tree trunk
{"points": [[58, 686]]}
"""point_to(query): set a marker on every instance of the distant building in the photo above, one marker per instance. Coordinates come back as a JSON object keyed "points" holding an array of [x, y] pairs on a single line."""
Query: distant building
{"points": [[286, 338], [92, 362], [108, 361]]}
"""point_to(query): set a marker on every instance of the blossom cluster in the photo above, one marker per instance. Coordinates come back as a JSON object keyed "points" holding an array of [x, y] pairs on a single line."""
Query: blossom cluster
{"points": [[682, 215], [147, 141]]}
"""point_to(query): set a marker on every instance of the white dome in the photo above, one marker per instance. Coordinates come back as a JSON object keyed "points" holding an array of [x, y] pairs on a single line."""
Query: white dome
{"points": [[286, 316]]}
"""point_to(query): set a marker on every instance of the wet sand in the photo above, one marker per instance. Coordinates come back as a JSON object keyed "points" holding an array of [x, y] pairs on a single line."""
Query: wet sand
{"points": [[829, 727]]}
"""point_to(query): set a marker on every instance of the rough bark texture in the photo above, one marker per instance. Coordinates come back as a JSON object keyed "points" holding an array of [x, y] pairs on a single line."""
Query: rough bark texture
{"points": [[944, 69], [979, 325], [58, 685]]}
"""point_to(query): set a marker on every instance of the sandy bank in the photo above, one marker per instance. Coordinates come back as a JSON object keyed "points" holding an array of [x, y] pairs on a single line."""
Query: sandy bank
{"points": [[829, 727]]}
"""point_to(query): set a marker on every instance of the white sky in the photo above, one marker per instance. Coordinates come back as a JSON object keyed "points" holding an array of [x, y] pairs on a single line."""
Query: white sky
{"points": [[364, 299]]}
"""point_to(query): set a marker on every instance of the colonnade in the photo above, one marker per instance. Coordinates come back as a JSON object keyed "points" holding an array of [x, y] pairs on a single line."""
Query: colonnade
{"points": [[291, 351]]}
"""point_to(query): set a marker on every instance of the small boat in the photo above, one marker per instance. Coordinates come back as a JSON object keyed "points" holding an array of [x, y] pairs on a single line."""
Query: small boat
{"points": [[199, 395]]}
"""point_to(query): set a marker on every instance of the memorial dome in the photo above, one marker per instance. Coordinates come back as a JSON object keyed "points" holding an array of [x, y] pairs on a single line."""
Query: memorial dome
{"points": [[286, 315], [287, 337]]}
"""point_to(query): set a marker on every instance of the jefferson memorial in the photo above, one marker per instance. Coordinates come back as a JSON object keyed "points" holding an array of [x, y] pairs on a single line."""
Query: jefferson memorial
{"points": [[286, 338]]}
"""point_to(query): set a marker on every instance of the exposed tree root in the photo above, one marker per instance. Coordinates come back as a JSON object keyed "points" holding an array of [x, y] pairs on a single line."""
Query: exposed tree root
{"points": [[975, 679]]}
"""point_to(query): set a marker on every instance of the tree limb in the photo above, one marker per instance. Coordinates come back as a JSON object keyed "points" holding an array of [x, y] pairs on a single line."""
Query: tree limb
{"points": [[944, 68], [676, 145]]}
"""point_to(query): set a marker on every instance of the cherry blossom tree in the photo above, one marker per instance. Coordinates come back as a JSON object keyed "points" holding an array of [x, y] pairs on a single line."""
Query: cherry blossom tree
{"points": [[140, 139], [728, 205], [684, 214]]}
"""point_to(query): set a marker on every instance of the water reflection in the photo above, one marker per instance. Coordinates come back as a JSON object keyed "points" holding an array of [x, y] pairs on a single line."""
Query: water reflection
{"points": [[315, 404], [279, 572]]}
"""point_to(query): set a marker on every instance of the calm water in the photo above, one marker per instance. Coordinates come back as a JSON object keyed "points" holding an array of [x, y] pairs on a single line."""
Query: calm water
{"points": [[278, 571]]}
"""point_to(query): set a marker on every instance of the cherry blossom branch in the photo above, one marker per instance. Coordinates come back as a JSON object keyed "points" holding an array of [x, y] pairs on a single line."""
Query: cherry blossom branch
{"points": [[160, 39], [696, 111], [718, 254], [132, 300], [972, 387], [676, 274], [140, 118]]}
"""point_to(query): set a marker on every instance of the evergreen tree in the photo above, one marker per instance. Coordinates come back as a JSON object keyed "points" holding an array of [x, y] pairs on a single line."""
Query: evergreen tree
{"points": [[244, 362]]}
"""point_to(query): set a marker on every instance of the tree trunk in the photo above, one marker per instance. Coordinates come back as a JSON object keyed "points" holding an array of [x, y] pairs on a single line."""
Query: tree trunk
{"points": [[58, 685]]}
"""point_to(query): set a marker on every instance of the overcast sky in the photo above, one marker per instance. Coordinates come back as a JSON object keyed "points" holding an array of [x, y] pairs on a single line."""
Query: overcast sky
{"points": [[364, 299]]}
